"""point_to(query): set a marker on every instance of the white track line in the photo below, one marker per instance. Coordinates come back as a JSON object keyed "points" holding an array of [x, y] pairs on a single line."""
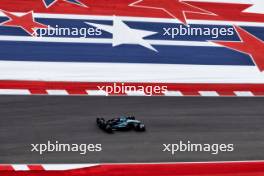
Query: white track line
{"points": [[57, 92], [103, 41], [136, 93], [14, 92], [244, 93], [20, 167], [97, 92], [208, 93], [173, 93]]}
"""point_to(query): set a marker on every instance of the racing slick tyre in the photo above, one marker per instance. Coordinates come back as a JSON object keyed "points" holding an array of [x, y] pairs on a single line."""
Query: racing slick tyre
{"points": [[140, 127], [100, 122], [108, 129]]}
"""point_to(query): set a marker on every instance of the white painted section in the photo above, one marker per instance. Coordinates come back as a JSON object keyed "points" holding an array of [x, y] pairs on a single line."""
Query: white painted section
{"points": [[208, 93], [117, 72], [55, 39], [20, 167], [103, 41], [14, 92], [57, 92], [97, 92], [136, 93], [244, 93], [173, 93], [66, 166], [258, 7]]}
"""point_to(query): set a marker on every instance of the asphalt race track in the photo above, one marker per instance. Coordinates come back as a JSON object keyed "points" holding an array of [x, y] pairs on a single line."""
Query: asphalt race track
{"points": [[37, 119]]}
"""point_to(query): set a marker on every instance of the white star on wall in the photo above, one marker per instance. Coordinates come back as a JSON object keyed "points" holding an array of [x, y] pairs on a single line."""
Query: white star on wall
{"points": [[123, 34]]}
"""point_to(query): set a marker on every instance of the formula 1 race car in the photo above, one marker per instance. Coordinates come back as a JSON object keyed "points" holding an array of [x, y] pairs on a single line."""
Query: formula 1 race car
{"points": [[121, 123]]}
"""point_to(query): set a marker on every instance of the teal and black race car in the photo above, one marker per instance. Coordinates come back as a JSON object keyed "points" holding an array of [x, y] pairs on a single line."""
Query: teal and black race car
{"points": [[121, 123]]}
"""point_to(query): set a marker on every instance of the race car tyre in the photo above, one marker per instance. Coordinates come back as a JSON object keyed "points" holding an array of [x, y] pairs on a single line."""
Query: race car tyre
{"points": [[140, 127], [99, 120], [108, 129]]}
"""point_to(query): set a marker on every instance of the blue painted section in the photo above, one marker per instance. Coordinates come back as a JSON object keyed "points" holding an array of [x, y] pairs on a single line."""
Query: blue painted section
{"points": [[80, 52], [48, 2], [72, 52], [160, 28], [74, 1]]}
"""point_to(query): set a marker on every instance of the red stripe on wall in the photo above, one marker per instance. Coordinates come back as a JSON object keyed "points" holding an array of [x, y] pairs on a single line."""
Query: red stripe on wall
{"points": [[38, 91], [40, 87], [176, 169], [76, 92], [6, 168], [36, 167]]}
